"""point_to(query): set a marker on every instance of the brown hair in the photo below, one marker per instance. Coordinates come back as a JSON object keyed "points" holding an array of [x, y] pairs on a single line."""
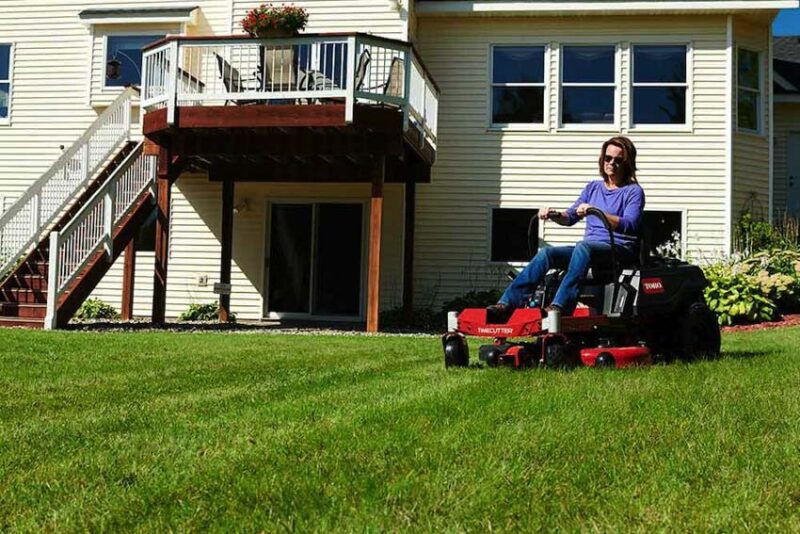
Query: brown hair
{"points": [[628, 167]]}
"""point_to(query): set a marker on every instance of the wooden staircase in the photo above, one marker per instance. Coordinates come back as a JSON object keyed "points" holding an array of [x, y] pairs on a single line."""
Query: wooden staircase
{"points": [[24, 292]]}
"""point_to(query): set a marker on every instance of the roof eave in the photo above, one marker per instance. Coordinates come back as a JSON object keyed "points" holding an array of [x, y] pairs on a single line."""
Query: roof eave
{"points": [[556, 8]]}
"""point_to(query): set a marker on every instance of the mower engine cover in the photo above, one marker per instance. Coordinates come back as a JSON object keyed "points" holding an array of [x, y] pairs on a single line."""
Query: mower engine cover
{"points": [[668, 288]]}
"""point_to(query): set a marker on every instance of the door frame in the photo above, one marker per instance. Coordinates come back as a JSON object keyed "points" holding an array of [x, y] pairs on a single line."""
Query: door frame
{"points": [[313, 201]]}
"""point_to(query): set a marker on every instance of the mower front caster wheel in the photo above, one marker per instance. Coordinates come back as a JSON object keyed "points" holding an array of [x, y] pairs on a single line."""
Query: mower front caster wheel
{"points": [[456, 353]]}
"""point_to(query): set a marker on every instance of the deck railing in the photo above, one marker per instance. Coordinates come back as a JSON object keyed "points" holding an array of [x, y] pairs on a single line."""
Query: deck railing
{"points": [[23, 224], [92, 228], [304, 70]]}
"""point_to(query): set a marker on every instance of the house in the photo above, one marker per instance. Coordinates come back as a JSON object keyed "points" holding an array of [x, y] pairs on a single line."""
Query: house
{"points": [[346, 171], [786, 76]]}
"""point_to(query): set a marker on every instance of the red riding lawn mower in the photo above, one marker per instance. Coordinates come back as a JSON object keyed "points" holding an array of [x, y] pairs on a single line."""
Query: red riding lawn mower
{"points": [[628, 316]]}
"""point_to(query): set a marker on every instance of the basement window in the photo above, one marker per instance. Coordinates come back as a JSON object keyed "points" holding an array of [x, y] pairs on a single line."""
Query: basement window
{"points": [[662, 233], [509, 234]]}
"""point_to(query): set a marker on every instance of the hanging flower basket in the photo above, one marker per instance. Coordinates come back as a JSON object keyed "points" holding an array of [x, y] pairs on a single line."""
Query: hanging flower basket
{"points": [[275, 21]]}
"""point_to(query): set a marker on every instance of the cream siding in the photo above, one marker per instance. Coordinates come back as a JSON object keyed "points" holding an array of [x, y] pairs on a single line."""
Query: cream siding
{"points": [[787, 120], [477, 167], [381, 17], [751, 150], [195, 245]]}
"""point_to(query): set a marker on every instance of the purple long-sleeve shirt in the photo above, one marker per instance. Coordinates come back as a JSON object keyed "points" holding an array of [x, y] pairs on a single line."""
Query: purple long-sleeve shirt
{"points": [[626, 202]]}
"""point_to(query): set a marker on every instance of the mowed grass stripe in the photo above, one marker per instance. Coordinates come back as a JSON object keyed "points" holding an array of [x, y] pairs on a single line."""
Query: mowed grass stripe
{"points": [[245, 432]]}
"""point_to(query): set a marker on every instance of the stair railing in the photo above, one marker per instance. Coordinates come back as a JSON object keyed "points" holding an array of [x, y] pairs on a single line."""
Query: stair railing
{"points": [[92, 228], [24, 222]]}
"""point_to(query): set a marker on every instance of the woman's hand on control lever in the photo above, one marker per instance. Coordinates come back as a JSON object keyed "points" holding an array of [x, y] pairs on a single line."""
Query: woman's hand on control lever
{"points": [[548, 213], [583, 209]]}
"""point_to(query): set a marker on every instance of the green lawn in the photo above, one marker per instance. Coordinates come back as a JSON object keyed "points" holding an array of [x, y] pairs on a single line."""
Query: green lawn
{"points": [[248, 432]]}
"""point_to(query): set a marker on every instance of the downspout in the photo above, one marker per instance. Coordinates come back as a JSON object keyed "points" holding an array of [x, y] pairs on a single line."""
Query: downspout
{"points": [[729, 106]]}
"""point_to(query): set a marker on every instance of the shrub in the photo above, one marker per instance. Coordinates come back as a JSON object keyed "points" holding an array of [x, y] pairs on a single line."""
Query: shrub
{"points": [[736, 296], [473, 299], [203, 312], [420, 319], [93, 309]]}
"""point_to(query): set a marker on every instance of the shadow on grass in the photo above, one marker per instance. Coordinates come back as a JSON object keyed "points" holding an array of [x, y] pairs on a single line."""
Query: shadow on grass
{"points": [[744, 354]]}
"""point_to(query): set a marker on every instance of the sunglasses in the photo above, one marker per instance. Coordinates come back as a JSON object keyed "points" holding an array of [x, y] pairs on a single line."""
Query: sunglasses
{"points": [[617, 161]]}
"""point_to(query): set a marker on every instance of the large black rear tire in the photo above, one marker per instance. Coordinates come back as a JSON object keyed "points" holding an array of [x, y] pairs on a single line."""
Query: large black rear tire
{"points": [[456, 353], [699, 334]]}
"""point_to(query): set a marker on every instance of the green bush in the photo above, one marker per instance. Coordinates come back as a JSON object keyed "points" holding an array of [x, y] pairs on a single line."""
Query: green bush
{"points": [[420, 319], [473, 299], [203, 312], [736, 296], [93, 309]]}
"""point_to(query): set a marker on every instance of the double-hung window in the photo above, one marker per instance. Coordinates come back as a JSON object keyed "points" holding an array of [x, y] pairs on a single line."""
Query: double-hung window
{"points": [[588, 84], [659, 84], [748, 90], [5, 81], [518, 85], [124, 58]]}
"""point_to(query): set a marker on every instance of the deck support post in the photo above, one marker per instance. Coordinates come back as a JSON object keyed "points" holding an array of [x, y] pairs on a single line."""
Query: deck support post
{"points": [[164, 178], [227, 250], [375, 224], [128, 270], [408, 244]]}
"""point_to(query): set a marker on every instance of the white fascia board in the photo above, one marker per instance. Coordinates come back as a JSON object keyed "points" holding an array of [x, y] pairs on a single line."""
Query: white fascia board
{"points": [[503, 7]]}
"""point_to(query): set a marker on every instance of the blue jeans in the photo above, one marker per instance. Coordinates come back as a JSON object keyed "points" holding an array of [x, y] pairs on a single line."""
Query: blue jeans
{"points": [[575, 260]]}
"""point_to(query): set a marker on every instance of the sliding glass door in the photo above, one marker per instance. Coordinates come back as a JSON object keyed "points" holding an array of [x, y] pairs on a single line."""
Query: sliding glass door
{"points": [[315, 259]]}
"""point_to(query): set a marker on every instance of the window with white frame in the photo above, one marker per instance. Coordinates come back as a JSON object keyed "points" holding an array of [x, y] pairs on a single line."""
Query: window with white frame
{"points": [[748, 90], [511, 230], [662, 233], [124, 58], [5, 81], [518, 85], [588, 84], [660, 84]]}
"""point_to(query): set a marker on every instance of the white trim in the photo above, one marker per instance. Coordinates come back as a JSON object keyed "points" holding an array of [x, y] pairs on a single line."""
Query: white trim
{"points": [[729, 111], [771, 127], [488, 7], [89, 66], [527, 126], [6, 121], [632, 85], [611, 127]]}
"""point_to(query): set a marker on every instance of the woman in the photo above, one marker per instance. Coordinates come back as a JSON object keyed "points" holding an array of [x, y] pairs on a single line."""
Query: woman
{"points": [[620, 197]]}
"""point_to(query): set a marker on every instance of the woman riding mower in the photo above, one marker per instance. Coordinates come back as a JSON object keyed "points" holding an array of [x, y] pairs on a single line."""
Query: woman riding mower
{"points": [[622, 200]]}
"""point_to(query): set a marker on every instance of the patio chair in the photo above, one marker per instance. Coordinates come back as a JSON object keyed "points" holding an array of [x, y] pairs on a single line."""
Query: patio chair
{"points": [[234, 82], [395, 80], [280, 69]]}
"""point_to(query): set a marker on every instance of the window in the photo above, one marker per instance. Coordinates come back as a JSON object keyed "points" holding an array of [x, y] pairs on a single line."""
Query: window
{"points": [[588, 77], [5, 81], [518, 85], [748, 81], [511, 228], [662, 233], [124, 58], [659, 84]]}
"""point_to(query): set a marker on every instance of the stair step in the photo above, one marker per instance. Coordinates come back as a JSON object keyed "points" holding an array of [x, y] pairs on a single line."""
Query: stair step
{"points": [[25, 322], [34, 267], [19, 310], [23, 295], [27, 281]]}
